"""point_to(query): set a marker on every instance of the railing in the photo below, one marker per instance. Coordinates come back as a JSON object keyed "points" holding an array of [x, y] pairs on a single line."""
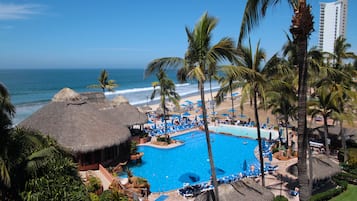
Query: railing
{"points": [[106, 174]]}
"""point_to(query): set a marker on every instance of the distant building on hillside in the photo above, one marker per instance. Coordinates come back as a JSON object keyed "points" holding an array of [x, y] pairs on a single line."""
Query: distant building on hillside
{"points": [[333, 21]]}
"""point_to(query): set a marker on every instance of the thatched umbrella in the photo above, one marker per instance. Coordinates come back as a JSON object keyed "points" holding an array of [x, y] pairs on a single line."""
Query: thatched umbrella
{"points": [[322, 167], [76, 124], [245, 189]]}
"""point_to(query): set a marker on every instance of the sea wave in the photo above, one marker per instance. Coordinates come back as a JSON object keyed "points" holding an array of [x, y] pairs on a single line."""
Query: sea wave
{"points": [[135, 90]]}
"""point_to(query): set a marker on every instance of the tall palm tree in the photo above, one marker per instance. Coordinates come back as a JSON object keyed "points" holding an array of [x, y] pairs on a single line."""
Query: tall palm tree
{"points": [[212, 75], [229, 82], [167, 90], [247, 73], [199, 55], [301, 28], [324, 104], [340, 51], [104, 82], [281, 98], [254, 85]]}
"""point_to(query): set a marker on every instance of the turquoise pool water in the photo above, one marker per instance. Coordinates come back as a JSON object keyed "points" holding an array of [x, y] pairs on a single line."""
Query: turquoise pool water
{"points": [[168, 169], [244, 131]]}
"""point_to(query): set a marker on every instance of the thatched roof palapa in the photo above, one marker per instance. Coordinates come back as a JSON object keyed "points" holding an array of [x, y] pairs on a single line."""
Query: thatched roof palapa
{"points": [[76, 124], [322, 167], [245, 189], [126, 114]]}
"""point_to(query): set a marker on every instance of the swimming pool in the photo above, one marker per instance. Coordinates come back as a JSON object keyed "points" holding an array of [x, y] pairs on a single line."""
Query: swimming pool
{"points": [[168, 169], [244, 131]]}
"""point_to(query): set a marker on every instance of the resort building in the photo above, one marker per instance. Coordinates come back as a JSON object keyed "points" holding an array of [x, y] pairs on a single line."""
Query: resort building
{"points": [[333, 21], [94, 130]]}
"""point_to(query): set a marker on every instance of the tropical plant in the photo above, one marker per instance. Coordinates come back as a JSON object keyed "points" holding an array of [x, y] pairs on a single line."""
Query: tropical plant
{"points": [[7, 112], [301, 28], [167, 90], [340, 52], [104, 82], [324, 104], [229, 82], [253, 86], [199, 56]]}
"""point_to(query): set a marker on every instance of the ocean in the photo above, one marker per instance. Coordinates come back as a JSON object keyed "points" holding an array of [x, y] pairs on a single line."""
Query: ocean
{"points": [[30, 89]]}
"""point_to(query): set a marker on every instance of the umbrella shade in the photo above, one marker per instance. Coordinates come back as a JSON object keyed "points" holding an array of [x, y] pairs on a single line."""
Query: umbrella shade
{"points": [[245, 165], [189, 177], [183, 105], [186, 114], [235, 94], [219, 171], [214, 113], [188, 101], [201, 116], [270, 156], [232, 110], [224, 114], [242, 115]]}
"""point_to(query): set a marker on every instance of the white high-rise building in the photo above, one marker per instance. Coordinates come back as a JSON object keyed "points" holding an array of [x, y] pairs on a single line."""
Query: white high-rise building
{"points": [[333, 21]]}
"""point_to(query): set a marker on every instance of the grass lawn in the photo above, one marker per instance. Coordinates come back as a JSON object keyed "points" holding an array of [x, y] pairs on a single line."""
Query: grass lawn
{"points": [[349, 195]]}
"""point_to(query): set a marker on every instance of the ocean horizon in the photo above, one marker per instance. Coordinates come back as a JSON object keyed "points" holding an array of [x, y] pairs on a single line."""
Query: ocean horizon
{"points": [[30, 89]]}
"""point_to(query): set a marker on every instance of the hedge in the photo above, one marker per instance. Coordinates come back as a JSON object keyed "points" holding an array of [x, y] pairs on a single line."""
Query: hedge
{"points": [[327, 195]]}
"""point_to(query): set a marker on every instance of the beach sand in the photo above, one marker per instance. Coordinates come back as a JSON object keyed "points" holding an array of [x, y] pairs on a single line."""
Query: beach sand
{"points": [[225, 107]]}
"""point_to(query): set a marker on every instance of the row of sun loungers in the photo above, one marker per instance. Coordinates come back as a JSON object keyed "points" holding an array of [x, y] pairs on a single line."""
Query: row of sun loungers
{"points": [[193, 190], [172, 128]]}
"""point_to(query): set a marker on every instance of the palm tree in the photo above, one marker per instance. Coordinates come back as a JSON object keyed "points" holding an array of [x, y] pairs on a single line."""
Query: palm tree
{"points": [[254, 83], [324, 104], [104, 82], [212, 74], [281, 98], [229, 82], [247, 74], [301, 28], [340, 51], [199, 55], [166, 90], [7, 112]]}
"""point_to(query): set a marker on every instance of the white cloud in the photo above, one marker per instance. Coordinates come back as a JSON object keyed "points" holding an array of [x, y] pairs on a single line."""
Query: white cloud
{"points": [[18, 11]]}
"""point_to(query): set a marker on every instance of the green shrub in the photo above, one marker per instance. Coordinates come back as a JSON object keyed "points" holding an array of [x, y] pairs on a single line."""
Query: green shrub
{"points": [[93, 197], [280, 198], [94, 184], [275, 149], [133, 148], [327, 195]]}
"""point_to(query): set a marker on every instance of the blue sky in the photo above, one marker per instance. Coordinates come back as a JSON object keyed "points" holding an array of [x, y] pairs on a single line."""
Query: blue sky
{"points": [[128, 33]]}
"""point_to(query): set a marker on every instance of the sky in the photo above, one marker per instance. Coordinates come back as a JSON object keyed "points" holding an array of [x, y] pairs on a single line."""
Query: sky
{"points": [[130, 33]]}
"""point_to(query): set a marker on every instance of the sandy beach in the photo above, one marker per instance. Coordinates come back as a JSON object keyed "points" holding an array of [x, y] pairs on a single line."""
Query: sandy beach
{"points": [[225, 108]]}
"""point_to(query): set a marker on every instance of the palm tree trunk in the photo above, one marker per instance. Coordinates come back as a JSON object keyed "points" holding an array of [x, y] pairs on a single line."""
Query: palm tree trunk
{"points": [[208, 141], [286, 119], [302, 26], [210, 90], [326, 136], [230, 88], [164, 108], [259, 137], [343, 142]]}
